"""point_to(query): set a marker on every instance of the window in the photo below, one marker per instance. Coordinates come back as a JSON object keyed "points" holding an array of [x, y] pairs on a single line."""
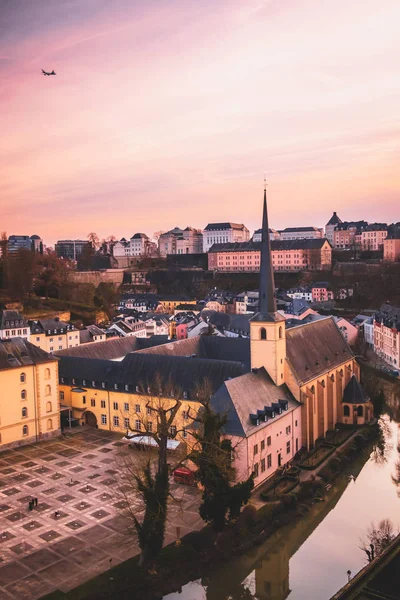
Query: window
{"points": [[295, 423], [280, 333], [25, 430], [92, 402], [103, 403], [269, 440], [288, 447], [269, 461], [83, 381], [115, 386], [185, 395], [23, 394], [346, 411], [137, 388], [83, 399], [61, 395], [255, 470], [24, 412], [22, 378], [48, 407], [262, 465], [288, 429], [126, 423], [184, 432], [48, 390], [103, 385], [148, 410], [360, 411], [49, 424], [263, 333], [262, 445], [116, 421], [149, 426], [138, 424], [104, 419], [172, 430], [115, 405], [137, 408], [126, 406], [255, 449], [126, 387]]}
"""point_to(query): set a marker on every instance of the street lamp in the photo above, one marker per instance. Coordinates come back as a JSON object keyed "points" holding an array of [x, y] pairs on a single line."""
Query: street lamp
{"points": [[348, 575]]}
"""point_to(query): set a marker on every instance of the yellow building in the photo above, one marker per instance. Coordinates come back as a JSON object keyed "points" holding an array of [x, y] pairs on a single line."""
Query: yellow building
{"points": [[29, 405], [52, 335], [169, 305]]}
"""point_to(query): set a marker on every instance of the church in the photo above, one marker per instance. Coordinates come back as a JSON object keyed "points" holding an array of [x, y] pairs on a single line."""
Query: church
{"points": [[280, 390]]}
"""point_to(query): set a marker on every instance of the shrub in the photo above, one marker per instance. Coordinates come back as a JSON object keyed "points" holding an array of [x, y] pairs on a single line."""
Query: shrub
{"points": [[248, 516], [289, 500], [334, 464], [359, 441]]}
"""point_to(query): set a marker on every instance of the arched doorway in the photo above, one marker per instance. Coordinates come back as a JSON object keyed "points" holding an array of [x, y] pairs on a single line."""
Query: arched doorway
{"points": [[90, 419]]}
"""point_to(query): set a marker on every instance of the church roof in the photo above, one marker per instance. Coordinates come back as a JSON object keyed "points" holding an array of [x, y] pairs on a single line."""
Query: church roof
{"points": [[112, 348], [266, 296], [354, 393], [314, 348]]}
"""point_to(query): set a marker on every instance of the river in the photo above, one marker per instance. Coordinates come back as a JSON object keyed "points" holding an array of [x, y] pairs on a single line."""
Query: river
{"points": [[310, 559]]}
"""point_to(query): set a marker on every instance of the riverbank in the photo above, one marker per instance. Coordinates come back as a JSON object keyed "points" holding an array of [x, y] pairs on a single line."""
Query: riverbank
{"points": [[203, 551]]}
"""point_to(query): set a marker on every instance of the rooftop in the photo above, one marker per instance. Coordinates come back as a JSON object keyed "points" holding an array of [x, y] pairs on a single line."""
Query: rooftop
{"points": [[18, 352]]}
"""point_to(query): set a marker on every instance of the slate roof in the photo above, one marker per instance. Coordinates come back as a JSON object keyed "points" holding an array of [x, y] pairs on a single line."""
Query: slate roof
{"points": [[354, 393], [314, 348], [137, 369], [239, 324], [334, 220], [113, 348], [139, 236], [389, 316], [276, 245], [18, 352], [8, 316], [294, 229], [220, 226], [245, 395], [55, 326]]}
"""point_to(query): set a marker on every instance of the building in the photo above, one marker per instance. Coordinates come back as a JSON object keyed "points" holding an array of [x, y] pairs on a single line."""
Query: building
{"points": [[330, 227], [387, 334], [128, 327], [141, 302], [295, 255], [91, 334], [246, 302], [348, 235], [280, 390], [156, 325], [30, 409], [274, 234], [169, 304], [52, 335], [373, 236], [391, 244], [71, 249], [138, 245], [301, 233], [223, 233], [13, 324], [181, 241], [347, 329], [24, 242], [321, 292], [301, 293]]}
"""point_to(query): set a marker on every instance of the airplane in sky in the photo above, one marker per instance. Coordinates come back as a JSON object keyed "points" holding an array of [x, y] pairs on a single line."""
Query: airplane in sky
{"points": [[46, 73]]}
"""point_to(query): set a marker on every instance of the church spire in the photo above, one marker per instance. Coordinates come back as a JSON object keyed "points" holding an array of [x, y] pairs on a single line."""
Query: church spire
{"points": [[266, 299]]}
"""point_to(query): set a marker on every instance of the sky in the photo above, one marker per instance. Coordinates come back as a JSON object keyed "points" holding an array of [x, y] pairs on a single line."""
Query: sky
{"points": [[170, 112]]}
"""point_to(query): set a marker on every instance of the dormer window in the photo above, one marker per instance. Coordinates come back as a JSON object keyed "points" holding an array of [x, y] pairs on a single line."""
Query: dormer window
{"points": [[93, 384], [185, 395], [83, 381], [115, 386], [126, 387], [103, 385], [137, 389], [73, 381]]}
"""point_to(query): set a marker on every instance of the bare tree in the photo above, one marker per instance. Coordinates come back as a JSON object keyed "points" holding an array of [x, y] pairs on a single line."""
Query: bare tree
{"points": [[377, 539], [93, 239]]}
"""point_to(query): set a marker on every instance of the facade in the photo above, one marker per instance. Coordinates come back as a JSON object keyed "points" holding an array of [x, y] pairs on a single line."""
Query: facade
{"points": [[223, 233], [296, 255], [373, 236], [13, 324], [368, 330], [387, 334], [321, 292], [348, 235], [274, 234], [300, 294], [347, 329], [391, 245], [24, 242], [138, 245], [181, 241], [169, 304], [91, 334], [71, 249], [127, 328], [301, 233], [52, 335], [330, 228], [29, 404]]}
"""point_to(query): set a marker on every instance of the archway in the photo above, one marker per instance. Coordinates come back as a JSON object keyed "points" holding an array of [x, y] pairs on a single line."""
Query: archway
{"points": [[90, 419]]}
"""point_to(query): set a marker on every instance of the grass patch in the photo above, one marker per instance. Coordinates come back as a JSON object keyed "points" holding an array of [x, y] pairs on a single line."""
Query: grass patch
{"points": [[317, 457]]}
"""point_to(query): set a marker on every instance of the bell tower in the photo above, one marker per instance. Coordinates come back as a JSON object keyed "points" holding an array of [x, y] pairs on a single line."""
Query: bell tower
{"points": [[267, 327]]}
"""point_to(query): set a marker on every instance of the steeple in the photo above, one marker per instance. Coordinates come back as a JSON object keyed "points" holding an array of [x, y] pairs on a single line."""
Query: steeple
{"points": [[266, 298]]}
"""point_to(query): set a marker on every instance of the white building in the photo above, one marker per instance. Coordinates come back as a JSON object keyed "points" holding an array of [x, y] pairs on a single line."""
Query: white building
{"points": [[137, 246], [373, 235], [13, 324], [274, 235], [387, 334], [127, 329], [301, 233], [300, 294], [330, 228], [181, 241], [221, 233]]}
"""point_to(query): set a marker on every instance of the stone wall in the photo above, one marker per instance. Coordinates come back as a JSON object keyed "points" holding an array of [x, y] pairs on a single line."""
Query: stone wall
{"points": [[114, 276]]}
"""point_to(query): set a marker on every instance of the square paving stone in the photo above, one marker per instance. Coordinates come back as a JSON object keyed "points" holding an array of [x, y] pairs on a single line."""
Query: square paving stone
{"points": [[95, 534], [108, 481], [68, 545], [89, 456], [49, 457], [7, 471], [94, 476], [88, 489], [61, 515], [65, 498], [100, 514], [77, 469], [104, 497], [108, 461], [57, 476], [42, 506], [75, 525], [69, 452], [58, 571], [117, 444], [39, 559], [11, 491], [32, 525], [15, 459], [49, 491], [21, 548], [89, 556], [11, 572], [73, 482], [29, 464], [49, 536], [3, 483], [94, 466], [82, 505], [105, 450], [35, 483], [111, 472], [25, 499], [121, 504], [27, 588], [63, 463], [4, 507], [5, 536], [16, 516], [21, 477], [42, 470]]}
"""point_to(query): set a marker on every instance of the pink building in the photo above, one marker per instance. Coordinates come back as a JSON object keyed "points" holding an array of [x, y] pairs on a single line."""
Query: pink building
{"points": [[373, 236], [321, 292], [181, 331]]}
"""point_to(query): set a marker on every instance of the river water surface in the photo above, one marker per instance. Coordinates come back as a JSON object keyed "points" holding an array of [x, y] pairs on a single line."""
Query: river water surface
{"points": [[309, 560]]}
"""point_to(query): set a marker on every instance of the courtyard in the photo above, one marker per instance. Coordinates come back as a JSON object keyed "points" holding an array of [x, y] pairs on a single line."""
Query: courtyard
{"points": [[78, 528]]}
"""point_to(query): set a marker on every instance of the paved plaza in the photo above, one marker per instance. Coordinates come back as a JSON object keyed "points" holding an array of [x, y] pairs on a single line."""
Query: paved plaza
{"points": [[77, 476]]}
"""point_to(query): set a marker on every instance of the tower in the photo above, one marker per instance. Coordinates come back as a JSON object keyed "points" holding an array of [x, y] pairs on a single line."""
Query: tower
{"points": [[267, 327]]}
